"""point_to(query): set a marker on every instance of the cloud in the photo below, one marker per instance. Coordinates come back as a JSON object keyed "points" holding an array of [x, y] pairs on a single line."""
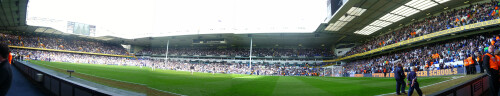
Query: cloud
{"points": [[133, 19]]}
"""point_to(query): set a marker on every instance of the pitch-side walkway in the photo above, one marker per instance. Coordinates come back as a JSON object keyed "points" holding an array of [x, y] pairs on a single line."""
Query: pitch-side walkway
{"points": [[429, 89], [96, 86], [20, 85]]}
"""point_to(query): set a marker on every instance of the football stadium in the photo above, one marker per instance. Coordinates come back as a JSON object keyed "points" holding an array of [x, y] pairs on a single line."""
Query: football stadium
{"points": [[249, 48]]}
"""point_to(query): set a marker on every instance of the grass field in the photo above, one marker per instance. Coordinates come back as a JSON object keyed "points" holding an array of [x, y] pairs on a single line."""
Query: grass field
{"points": [[184, 83]]}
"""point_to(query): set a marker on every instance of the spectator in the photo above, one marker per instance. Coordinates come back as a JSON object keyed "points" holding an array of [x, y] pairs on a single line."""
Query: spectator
{"points": [[446, 20], [5, 71]]}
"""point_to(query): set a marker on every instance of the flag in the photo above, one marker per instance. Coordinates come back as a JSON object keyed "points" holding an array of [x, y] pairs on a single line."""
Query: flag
{"points": [[491, 13], [10, 58], [41, 44]]}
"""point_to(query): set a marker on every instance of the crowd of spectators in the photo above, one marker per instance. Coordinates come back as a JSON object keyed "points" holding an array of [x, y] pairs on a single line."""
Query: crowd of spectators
{"points": [[94, 46], [61, 43], [445, 20], [423, 57], [79, 58], [426, 56], [207, 67], [308, 52]]}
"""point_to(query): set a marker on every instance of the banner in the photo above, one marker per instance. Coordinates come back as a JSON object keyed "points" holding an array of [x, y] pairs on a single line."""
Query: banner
{"points": [[442, 72], [358, 75]]}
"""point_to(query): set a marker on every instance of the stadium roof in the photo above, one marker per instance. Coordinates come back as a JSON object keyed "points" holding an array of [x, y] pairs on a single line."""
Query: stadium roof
{"points": [[268, 40], [13, 13], [49, 30], [261, 39], [363, 19], [15, 17]]}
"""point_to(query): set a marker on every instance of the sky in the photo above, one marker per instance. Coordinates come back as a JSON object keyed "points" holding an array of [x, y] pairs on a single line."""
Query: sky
{"points": [[152, 18]]}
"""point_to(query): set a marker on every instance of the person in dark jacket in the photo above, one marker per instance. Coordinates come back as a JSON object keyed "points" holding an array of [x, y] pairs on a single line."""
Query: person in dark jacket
{"points": [[5, 71], [400, 79], [491, 66], [413, 83], [473, 64]]}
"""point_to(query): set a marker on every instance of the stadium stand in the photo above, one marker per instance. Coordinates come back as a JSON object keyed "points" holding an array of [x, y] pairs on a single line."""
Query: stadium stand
{"points": [[33, 48], [442, 56], [446, 20], [208, 67], [94, 46], [63, 43], [445, 55]]}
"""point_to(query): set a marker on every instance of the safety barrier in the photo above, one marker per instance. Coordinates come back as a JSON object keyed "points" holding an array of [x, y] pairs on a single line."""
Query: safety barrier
{"points": [[55, 85], [473, 87]]}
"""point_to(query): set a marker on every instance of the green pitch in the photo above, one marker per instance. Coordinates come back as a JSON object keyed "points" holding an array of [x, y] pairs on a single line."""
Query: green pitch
{"points": [[235, 84]]}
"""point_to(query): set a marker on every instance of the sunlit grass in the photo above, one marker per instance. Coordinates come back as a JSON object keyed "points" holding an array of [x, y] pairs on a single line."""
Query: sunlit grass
{"points": [[196, 84]]}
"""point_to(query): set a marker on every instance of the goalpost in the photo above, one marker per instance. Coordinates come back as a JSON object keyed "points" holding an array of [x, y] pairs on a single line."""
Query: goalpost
{"points": [[166, 54]]}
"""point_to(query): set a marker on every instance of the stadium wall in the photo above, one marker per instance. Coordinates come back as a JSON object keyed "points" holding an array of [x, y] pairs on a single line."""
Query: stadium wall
{"points": [[473, 87]]}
